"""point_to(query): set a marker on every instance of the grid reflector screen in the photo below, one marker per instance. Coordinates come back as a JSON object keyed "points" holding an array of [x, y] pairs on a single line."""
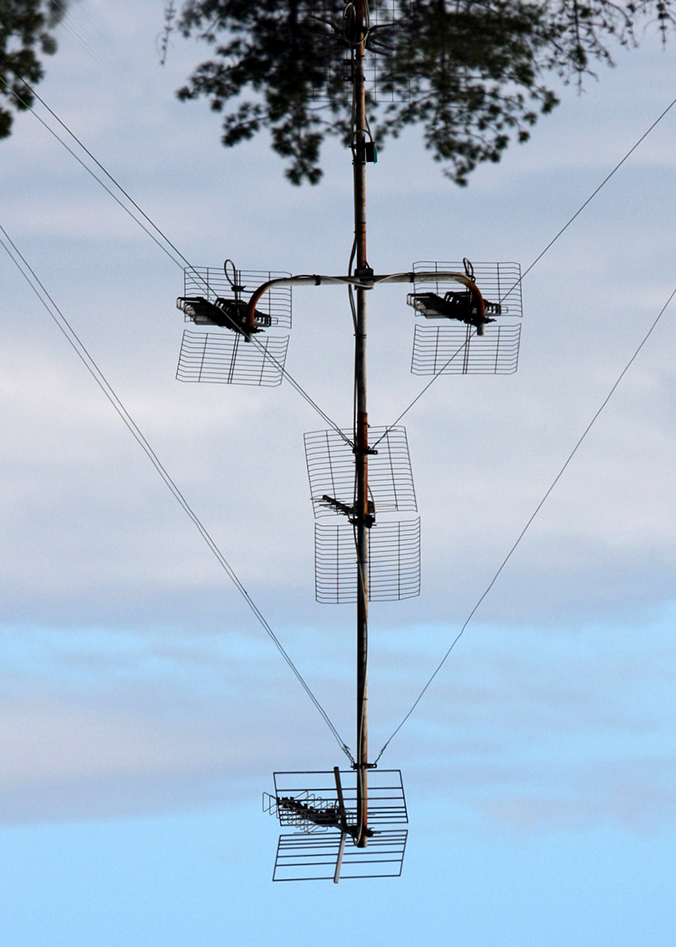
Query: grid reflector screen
{"points": [[227, 358], [458, 350], [394, 562], [331, 470], [212, 283], [303, 857], [498, 282]]}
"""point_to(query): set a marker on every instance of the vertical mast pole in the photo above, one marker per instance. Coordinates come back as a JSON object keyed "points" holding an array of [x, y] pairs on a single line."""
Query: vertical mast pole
{"points": [[361, 439]]}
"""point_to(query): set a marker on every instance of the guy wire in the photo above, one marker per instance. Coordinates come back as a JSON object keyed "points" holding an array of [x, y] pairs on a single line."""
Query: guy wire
{"points": [[549, 246], [595, 192], [299, 389], [92, 367], [292, 381], [422, 392], [529, 521]]}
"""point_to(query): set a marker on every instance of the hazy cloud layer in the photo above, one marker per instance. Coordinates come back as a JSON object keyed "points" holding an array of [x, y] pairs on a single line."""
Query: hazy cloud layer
{"points": [[533, 731], [530, 728]]}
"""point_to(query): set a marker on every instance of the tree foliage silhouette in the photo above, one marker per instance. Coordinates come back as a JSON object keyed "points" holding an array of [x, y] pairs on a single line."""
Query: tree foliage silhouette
{"points": [[474, 73], [26, 34]]}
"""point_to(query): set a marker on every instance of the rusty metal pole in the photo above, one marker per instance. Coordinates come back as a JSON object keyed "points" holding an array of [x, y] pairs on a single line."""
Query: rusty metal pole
{"points": [[361, 440]]}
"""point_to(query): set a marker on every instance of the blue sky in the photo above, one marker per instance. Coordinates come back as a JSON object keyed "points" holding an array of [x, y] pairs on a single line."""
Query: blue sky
{"points": [[144, 711]]}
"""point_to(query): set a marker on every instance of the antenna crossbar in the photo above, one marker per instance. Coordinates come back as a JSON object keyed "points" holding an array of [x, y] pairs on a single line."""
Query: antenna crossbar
{"points": [[363, 279]]}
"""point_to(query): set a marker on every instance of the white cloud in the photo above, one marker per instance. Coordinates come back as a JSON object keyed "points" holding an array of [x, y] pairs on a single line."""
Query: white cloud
{"points": [[91, 536]]}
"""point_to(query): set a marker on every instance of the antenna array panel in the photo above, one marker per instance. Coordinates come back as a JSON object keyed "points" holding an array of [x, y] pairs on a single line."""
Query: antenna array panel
{"points": [[212, 283], [394, 562], [394, 545], [454, 348], [222, 355], [313, 858], [228, 359], [458, 350], [330, 466], [498, 282], [312, 854], [389, 31]]}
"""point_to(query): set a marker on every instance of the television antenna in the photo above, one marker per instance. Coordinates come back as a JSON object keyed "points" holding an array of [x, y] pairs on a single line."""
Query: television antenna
{"points": [[349, 822]]}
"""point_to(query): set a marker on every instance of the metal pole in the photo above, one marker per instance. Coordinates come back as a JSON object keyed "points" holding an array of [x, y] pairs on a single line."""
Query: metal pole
{"points": [[343, 825], [361, 438]]}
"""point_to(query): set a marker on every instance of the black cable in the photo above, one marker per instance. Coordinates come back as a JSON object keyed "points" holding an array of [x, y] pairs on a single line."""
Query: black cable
{"points": [[81, 351], [270, 357], [530, 520]]}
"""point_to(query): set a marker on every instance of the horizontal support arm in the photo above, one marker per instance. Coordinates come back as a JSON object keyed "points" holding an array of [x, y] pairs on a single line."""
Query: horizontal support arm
{"points": [[362, 281]]}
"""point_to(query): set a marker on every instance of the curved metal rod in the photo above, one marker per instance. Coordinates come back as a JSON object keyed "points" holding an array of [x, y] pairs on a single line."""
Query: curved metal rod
{"points": [[231, 279], [362, 281]]}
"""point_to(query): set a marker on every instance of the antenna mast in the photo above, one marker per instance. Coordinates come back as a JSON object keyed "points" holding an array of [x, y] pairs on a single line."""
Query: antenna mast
{"points": [[239, 315], [361, 449]]}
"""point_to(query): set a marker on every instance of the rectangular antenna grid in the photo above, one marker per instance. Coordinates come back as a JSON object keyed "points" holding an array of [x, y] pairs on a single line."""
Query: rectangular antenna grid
{"points": [[394, 562], [313, 857], [331, 470], [387, 803], [388, 22], [211, 282], [498, 282], [458, 350], [227, 358]]}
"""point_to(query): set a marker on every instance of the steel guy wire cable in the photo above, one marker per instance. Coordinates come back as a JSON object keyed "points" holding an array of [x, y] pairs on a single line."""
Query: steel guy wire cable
{"points": [[595, 192], [530, 520], [297, 387], [574, 451], [549, 245], [173, 249], [92, 173], [83, 30], [577, 445], [427, 386], [88, 361], [69, 24], [434, 378]]}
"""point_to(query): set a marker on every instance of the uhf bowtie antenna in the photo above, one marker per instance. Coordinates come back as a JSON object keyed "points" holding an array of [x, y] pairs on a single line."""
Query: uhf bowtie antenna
{"points": [[367, 537]]}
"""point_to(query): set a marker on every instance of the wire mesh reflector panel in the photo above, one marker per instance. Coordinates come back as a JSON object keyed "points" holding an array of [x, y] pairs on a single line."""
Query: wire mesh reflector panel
{"points": [[331, 470], [212, 283], [227, 358], [313, 857], [388, 30], [386, 800], [498, 282], [394, 562], [458, 350]]}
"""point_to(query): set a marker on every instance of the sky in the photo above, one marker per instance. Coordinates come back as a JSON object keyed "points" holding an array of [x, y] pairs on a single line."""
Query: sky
{"points": [[143, 708]]}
